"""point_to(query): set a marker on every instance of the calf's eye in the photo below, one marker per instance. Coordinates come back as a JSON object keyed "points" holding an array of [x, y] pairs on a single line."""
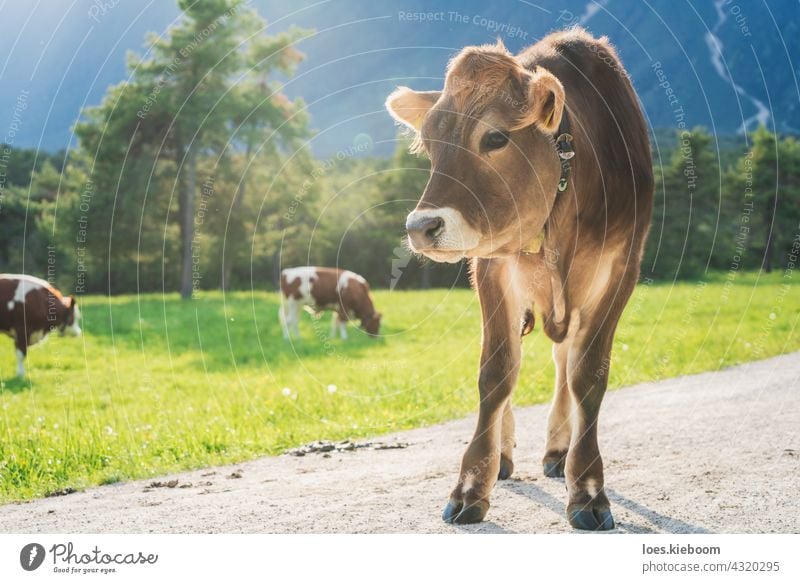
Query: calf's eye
{"points": [[494, 140]]}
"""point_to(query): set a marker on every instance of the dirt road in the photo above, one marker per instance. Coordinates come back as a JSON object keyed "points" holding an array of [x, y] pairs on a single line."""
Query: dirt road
{"points": [[716, 452]]}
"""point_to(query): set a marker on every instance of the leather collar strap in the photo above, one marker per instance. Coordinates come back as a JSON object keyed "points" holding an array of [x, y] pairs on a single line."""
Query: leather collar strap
{"points": [[564, 150], [565, 153]]}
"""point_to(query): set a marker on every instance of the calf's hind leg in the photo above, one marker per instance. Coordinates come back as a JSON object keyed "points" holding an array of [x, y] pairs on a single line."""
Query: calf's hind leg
{"points": [[507, 443], [282, 318], [559, 422]]}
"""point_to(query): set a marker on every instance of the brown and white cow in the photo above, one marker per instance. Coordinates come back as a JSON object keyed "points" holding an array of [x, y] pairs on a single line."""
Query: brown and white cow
{"points": [[31, 308], [326, 288], [541, 174]]}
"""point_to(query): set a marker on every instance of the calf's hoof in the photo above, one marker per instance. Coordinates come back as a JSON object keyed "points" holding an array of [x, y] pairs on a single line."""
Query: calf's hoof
{"points": [[588, 518], [457, 513], [506, 468], [553, 464], [553, 469]]}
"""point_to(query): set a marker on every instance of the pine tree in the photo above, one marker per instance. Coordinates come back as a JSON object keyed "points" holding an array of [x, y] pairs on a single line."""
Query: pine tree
{"points": [[686, 211], [203, 91], [764, 163]]}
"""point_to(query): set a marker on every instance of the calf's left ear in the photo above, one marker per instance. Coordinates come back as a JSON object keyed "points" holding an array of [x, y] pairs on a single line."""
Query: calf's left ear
{"points": [[409, 107], [545, 95]]}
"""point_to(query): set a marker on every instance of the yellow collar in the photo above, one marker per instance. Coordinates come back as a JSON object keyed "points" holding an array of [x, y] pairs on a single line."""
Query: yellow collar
{"points": [[535, 245]]}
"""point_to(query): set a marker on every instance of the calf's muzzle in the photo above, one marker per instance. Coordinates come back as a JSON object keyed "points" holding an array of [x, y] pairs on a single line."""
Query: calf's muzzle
{"points": [[423, 229]]}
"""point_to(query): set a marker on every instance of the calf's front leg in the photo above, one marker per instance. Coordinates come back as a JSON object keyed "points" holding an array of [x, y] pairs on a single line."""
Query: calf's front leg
{"points": [[21, 343], [587, 370], [21, 351], [334, 324], [490, 448]]}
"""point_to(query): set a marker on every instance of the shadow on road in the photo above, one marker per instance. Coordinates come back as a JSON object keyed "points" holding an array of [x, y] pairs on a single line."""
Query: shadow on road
{"points": [[485, 527], [660, 522], [536, 494]]}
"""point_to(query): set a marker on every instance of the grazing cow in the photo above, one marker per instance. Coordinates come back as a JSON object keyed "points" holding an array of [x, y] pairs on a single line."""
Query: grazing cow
{"points": [[541, 175], [31, 308], [325, 288]]}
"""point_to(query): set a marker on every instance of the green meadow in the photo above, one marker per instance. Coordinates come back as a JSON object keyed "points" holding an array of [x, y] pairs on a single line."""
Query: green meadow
{"points": [[157, 385]]}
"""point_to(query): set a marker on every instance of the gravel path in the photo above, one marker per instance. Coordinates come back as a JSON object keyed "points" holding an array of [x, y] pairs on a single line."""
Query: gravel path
{"points": [[715, 452]]}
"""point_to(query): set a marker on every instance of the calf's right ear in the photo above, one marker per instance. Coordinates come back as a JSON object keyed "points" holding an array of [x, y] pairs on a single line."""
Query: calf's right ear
{"points": [[409, 107]]}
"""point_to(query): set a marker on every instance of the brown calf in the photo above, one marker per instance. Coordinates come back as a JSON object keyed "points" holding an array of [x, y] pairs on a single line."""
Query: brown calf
{"points": [[30, 308], [325, 288], [541, 174]]}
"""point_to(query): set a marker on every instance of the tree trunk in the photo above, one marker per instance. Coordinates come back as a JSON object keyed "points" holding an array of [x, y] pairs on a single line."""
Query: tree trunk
{"points": [[232, 237], [232, 242], [767, 262], [186, 198], [276, 269], [425, 282]]}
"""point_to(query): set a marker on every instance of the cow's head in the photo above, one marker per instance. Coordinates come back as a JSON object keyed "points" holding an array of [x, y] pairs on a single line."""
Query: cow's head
{"points": [[372, 324], [71, 324], [494, 167]]}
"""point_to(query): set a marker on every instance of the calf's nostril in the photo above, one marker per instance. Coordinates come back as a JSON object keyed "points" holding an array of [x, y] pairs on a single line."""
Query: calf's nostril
{"points": [[434, 228], [423, 230]]}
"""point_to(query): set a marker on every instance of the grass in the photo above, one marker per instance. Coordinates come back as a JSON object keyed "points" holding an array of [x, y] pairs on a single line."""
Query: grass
{"points": [[157, 385]]}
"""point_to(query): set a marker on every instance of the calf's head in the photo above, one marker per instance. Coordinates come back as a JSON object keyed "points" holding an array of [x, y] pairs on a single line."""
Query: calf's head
{"points": [[372, 324], [494, 168], [70, 324]]}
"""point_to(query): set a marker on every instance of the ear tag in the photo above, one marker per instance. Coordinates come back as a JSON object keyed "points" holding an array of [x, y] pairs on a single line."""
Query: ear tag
{"points": [[549, 119]]}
